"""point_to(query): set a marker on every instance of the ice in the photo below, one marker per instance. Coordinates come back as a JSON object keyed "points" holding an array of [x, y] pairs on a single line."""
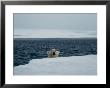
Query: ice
{"points": [[73, 65]]}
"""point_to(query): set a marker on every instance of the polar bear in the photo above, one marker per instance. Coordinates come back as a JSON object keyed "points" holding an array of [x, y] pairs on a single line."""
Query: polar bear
{"points": [[53, 53]]}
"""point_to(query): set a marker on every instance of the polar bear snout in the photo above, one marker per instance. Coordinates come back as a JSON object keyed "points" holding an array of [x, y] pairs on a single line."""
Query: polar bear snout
{"points": [[53, 53]]}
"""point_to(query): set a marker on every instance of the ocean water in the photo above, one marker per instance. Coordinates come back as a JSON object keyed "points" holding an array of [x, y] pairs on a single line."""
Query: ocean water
{"points": [[26, 49]]}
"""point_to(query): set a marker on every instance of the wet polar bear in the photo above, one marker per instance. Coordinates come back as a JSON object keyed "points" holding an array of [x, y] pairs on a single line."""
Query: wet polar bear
{"points": [[53, 53]]}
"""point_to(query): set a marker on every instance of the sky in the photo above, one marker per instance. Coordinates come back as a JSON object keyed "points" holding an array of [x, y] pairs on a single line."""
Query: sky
{"points": [[55, 25]]}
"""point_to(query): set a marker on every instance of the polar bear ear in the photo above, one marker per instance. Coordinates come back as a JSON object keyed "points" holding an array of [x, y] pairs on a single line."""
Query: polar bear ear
{"points": [[47, 52], [57, 52]]}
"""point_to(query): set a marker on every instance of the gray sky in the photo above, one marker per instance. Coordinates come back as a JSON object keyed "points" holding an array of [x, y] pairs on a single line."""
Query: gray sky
{"points": [[55, 25]]}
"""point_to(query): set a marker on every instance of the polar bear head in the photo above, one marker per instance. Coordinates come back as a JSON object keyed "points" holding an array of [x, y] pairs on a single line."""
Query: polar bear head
{"points": [[53, 53]]}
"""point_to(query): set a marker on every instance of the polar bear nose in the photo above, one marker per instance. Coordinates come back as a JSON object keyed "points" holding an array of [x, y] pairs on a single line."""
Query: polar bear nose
{"points": [[53, 53]]}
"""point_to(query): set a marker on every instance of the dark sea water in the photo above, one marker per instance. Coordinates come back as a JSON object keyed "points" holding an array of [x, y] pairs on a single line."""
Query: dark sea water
{"points": [[26, 49]]}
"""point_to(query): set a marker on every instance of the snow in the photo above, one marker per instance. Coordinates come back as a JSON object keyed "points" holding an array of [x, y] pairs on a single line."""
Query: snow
{"points": [[73, 65]]}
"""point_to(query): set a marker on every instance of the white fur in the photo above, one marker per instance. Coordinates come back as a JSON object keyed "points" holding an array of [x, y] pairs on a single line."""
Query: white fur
{"points": [[50, 53]]}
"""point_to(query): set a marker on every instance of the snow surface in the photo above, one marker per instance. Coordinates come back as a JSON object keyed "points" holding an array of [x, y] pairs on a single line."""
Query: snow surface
{"points": [[73, 65]]}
